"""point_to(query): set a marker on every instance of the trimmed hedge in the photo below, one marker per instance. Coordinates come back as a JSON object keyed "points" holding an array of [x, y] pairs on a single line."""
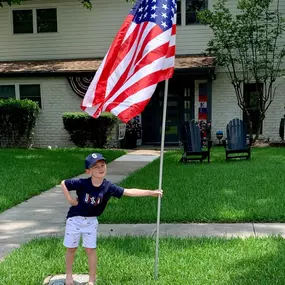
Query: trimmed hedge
{"points": [[85, 131], [18, 119]]}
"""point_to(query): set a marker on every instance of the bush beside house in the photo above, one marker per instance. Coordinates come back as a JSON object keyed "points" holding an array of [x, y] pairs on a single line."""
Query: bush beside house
{"points": [[85, 131], [18, 119]]}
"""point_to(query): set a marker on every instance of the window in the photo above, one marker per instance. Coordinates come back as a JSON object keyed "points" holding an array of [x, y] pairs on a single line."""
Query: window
{"points": [[252, 101], [178, 20], [32, 92], [7, 91], [22, 91], [23, 21], [45, 21], [192, 8], [187, 11]]}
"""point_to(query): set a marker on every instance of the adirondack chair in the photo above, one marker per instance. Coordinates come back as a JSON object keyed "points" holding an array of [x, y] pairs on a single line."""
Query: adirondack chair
{"points": [[236, 141], [192, 143]]}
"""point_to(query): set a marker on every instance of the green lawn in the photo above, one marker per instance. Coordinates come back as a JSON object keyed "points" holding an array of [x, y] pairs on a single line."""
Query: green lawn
{"points": [[236, 191], [25, 173], [128, 261]]}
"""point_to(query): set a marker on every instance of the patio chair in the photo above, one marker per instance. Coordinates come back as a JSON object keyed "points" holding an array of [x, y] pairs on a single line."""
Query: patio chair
{"points": [[192, 143], [236, 140]]}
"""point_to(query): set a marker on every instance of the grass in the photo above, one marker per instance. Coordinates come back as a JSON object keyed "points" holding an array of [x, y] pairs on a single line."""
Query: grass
{"points": [[130, 261], [25, 173], [235, 191]]}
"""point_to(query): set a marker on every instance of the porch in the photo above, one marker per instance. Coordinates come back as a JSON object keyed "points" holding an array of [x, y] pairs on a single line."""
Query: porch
{"points": [[189, 97]]}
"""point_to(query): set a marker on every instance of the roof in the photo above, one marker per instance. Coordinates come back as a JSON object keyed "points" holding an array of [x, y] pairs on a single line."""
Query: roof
{"points": [[87, 65]]}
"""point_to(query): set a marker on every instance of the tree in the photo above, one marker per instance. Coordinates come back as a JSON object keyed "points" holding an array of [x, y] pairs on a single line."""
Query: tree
{"points": [[248, 45]]}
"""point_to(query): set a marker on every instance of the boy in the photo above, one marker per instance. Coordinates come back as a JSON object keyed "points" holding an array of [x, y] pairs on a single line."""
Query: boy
{"points": [[93, 194]]}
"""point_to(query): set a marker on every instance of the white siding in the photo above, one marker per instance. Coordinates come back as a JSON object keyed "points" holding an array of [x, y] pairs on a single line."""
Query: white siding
{"points": [[83, 33], [57, 98], [192, 39]]}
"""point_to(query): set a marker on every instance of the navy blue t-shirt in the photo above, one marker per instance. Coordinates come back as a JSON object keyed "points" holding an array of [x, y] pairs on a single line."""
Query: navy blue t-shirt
{"points": [[91, 200]]}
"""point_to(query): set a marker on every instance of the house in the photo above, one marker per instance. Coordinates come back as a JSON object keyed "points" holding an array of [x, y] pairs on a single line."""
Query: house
{"points": [[50, 50]]}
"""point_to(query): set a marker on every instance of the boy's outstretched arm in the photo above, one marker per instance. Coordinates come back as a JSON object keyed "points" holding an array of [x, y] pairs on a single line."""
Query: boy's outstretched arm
{"points": [[142, 193]]}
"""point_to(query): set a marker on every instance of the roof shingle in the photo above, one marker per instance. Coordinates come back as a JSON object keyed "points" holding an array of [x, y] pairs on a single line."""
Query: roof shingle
{"points": [[88, 65]]}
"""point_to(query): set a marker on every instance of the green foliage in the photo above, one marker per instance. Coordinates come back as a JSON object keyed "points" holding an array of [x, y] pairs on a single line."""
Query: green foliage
{"points": [[18, 119], [251, 38], [86, 131], [249, 45]]}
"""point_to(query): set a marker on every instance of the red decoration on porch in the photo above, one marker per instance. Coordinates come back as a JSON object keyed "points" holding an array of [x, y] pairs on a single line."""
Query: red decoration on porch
{"points": [[203, 98]]}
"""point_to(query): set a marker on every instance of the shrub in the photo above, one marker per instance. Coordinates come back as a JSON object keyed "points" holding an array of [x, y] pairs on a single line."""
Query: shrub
{"points": [[86, 131], [18, 119]]}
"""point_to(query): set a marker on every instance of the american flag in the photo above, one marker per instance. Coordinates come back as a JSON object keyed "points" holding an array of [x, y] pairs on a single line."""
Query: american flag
{"points": [[141, 55]]}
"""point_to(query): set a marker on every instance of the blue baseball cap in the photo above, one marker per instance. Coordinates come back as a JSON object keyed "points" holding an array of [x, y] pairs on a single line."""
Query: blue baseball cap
{"points": [[92, 158]]}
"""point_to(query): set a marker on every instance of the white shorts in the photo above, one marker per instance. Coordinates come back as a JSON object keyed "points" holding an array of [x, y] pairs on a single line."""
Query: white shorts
{"points": [[81, 226]]}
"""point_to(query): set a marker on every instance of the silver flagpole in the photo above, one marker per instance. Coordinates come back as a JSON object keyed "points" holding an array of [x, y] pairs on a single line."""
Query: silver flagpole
{"points": [[160, 177]]}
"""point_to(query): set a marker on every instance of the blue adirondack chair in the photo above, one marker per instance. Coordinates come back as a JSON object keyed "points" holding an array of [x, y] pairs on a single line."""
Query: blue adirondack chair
{"points": [[192, 143], [236, 141]]}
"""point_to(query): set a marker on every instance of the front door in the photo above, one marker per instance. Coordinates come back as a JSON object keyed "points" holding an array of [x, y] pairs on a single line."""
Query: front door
{"points": [[172, 114], [180, 107]]}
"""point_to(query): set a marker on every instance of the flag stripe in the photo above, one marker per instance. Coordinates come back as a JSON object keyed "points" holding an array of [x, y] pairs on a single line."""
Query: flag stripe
{"points": [[126, 61], [148, 59], [130, 42], [101, 79], [148, 80], [111, 65], [149, 30], [133, 111], [88, 99], [140, 96], [154, 32], [154, 66], [122, 70], [152, 56]]}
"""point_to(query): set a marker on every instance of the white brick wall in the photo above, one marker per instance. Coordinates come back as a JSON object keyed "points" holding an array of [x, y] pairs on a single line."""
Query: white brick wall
{"points": [[57, 98], [225, 108]]}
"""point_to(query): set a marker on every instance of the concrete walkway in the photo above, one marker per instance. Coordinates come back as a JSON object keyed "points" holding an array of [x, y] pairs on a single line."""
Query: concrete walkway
{"points": [[44, 215]]}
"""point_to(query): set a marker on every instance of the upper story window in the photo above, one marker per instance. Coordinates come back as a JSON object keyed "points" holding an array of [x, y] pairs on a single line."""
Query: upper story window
{"points": [[23, 21], [46, 21], [22, 91], [31, 21], [187, 11]]}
